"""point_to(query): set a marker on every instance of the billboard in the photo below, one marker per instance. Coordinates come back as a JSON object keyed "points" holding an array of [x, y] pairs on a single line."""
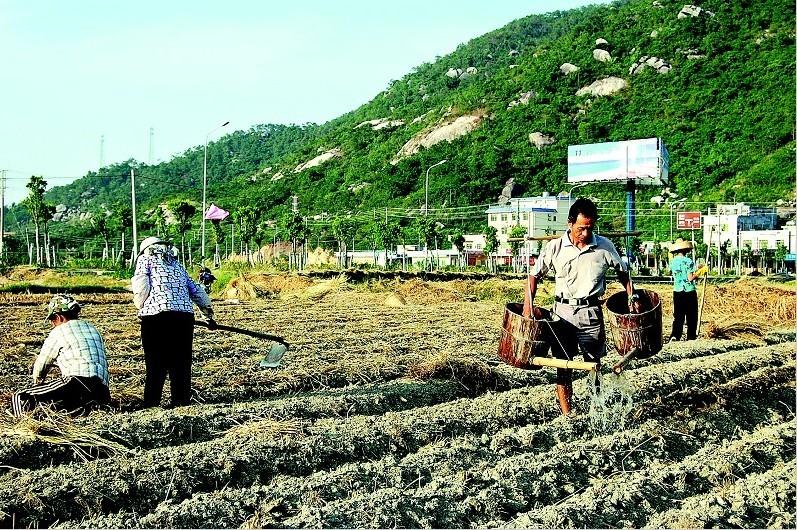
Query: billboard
{"points": [[689, 221], [646, 161]]}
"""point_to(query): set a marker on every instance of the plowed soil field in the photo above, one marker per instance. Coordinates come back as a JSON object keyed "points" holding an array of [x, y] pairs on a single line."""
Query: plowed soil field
{"points": [[400, 416]]}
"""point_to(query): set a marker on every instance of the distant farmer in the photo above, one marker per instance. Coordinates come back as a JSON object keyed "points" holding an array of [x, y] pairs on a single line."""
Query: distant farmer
{"points": [[206, 278], [579, 260], [76, 348], [163, 292], [684, 294]]}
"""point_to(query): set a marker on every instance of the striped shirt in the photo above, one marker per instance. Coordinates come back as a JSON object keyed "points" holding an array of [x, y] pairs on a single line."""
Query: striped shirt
{"points": [[77, 349], [161, 284], [579, 273]]}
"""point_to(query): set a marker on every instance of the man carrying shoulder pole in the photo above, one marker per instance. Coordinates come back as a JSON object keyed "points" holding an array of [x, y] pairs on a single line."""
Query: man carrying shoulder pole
{"points": [[579, 260]]}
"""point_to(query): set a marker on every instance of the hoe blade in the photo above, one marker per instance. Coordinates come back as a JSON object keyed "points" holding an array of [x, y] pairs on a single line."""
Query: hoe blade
{"points": [[274, 356]]}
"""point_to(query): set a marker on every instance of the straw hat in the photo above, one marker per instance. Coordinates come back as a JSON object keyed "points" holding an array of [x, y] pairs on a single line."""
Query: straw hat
{"points": [[148, 242], [680, 245]]}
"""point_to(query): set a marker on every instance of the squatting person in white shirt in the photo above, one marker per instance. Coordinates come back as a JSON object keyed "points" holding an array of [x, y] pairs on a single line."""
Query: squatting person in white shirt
{"points": [[163, 293], [76, 347]]}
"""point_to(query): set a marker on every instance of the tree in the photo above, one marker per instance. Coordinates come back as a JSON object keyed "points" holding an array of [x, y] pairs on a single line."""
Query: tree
{"points": [[37, 208], [780, 256], [389, 234], [158, 219], [121, 220], [101, 225], [183, 211], [458, 240], [343, 229], [295, 229], [428, 229], [490, 246], [517, 232], [246, 219]]}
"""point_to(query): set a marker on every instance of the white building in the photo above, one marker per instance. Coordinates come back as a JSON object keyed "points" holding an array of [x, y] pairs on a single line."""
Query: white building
{"points": [[769, 239], [540, 216], [726, 221]]}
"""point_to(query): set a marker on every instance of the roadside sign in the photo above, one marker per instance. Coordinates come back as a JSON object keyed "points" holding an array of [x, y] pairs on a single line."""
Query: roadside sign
{"points": [[790, 257], [689, 221]]}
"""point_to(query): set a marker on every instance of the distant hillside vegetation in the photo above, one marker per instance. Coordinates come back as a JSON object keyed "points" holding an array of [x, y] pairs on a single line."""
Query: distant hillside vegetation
{"points": [[716, 82]]}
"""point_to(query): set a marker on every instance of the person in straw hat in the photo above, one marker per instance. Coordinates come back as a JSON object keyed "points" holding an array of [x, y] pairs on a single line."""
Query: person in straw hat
{"points": [[684, 293], [76, 347], [163, 293], [579, 260]]}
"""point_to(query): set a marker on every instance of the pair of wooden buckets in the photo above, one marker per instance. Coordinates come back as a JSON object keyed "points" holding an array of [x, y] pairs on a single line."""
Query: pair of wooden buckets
{"points": [[526, 342]]}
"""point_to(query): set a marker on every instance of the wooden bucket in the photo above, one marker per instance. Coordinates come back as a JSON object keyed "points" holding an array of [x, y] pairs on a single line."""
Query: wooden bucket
{"points": [[523, 338], [636, 331]]}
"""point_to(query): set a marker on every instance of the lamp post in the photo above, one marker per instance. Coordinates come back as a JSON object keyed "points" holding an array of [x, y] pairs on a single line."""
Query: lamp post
{"points": [[570, 194], [205, 184], [426, 186], [426, 202], [672, 206]]}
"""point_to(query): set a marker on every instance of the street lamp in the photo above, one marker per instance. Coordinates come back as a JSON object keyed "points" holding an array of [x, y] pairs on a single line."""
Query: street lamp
{"points": [[426, 186], [205, 183], [672, 206], [426, 203], [570, 194]]}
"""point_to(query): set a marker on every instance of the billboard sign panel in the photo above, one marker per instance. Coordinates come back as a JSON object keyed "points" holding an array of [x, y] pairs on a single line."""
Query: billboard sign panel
{"points": [[689, 221], [646, 161]]}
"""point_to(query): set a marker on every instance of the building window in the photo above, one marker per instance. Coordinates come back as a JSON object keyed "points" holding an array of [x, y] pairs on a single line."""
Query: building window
{"points": [[763, 245], [503, 217], [468, 245], [478, 246], [503, 230], [493, 217], [525, 216], [554, 218]]}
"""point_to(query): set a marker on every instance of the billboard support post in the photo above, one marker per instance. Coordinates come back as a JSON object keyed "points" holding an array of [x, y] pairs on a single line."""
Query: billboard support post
{"points": [[630, 216]]}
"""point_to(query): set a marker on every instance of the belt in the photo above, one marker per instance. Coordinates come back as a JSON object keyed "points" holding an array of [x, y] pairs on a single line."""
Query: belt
{"points": [[589, 301]]}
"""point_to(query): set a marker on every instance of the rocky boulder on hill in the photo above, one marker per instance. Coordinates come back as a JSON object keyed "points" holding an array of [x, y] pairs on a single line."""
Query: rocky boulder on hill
{"points": [[692, 11], [381, 123], [603, 87], [524, 99], [601, 55], [506, 193], [540, 140], [320, 159], [568, 68], [448, 132], [660, 65]]}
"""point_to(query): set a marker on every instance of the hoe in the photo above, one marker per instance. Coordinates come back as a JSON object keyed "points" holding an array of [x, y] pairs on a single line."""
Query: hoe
{"points": [[274, 355]]}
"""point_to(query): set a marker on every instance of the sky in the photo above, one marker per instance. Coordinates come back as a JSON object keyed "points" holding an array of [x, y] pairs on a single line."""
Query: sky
{"points": [[83, 82]]}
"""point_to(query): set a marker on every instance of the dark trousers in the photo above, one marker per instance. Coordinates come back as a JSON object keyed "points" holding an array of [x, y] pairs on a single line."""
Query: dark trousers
{"points": [[684, 305], [167, 339], [75, 394]]}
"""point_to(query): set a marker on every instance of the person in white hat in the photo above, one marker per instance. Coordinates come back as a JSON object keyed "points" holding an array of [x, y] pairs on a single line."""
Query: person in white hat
{"points": [[76, 347], [164, 295], [684, 292]]}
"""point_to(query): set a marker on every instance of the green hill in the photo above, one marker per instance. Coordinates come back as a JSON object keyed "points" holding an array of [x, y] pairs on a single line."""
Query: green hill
{"points": [[720, 92]]}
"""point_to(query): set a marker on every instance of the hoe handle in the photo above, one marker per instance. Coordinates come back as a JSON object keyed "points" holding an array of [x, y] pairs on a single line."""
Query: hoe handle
{"points": [[256, 334]]}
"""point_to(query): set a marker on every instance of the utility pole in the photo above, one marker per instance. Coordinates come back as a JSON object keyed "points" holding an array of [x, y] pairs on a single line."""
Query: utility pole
{"points": [[151, 146], [134, 249], [2, 209], [102, 152]]}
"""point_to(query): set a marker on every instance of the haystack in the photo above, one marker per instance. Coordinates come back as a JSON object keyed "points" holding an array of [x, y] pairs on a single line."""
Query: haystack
{"points": [[395, 300], [320, 290]]}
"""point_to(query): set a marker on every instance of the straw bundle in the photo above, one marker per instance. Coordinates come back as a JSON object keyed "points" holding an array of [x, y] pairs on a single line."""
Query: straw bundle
{"points": [[468, 371], [732, 328], [320, 290], [395, 300], [59, 428]]}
